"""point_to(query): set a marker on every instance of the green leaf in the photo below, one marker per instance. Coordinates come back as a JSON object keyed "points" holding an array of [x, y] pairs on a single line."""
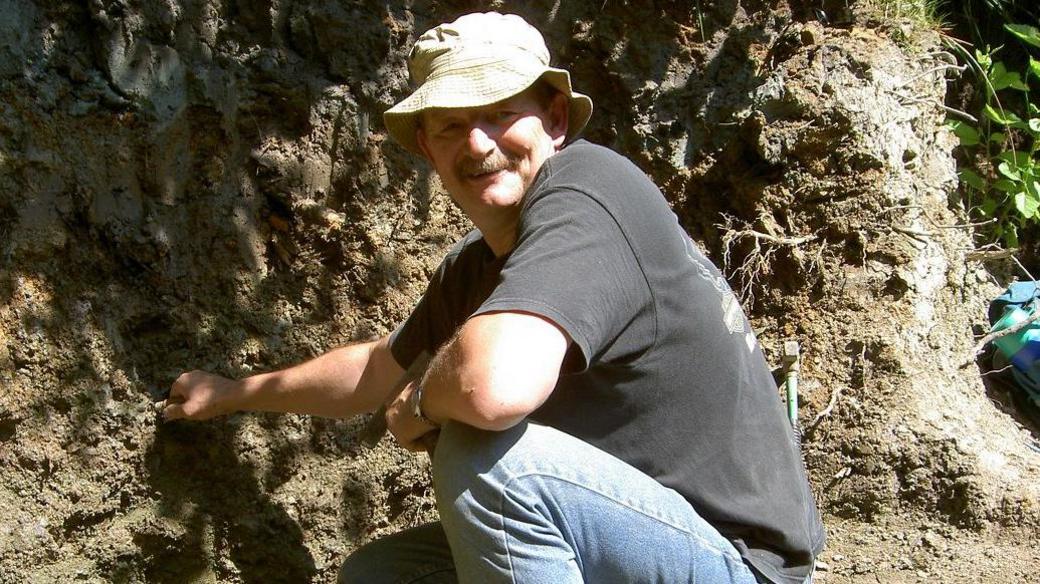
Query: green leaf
{"points": [[1009, 171], [997, 75], [1034, 126], [1018, 83], [1026, 205], [1033, 188], [972, 179], [1000, 117], [968, 135], [989, 207], [1017, 158], [1025, 32], [997, 137], [1034, 67], [1001, 78], [1006, 186]]}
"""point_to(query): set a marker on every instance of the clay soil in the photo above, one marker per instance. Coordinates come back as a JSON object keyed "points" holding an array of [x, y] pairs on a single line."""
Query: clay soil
{"points": [[209, 185]]}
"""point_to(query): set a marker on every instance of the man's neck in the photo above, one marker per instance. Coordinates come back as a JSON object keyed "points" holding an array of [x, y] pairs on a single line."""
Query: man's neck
{"points": [[498, 230], [500, 243]]}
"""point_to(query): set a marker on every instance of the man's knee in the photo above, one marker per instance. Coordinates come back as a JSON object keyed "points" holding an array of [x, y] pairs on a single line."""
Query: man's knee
{"points": [[473, 467], [466, 454]]}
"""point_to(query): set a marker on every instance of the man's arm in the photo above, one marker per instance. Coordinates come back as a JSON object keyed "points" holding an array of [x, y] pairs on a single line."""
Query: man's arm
{"points": [[343, 382], [498, 368]]}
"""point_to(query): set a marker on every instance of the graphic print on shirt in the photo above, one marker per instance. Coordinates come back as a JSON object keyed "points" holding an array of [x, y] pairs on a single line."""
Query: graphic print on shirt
{"points": [[730, 306]]}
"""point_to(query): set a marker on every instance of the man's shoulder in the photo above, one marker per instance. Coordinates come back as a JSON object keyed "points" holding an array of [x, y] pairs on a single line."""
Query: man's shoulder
{"points": [[584, 163], [594, 170], [584, 151]]}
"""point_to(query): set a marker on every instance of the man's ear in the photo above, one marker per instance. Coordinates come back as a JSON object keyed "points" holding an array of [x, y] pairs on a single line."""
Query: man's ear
{"points": [[420, 139], [558, 112]]}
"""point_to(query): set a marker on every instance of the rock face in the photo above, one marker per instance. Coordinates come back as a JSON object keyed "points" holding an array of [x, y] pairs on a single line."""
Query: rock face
{"points": [[209, 185], [852, 248]]}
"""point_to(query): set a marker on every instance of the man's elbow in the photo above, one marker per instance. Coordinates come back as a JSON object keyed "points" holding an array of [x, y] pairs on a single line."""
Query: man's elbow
{"points": [[499, 410]]}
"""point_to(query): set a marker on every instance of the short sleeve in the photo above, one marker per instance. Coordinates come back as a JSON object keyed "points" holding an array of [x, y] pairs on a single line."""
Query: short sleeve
{"points": [[457, 287], [418, 332], [574, 266]]}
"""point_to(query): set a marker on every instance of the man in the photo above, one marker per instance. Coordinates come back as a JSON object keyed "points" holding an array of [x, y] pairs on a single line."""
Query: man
{"points": [[604, 411]]}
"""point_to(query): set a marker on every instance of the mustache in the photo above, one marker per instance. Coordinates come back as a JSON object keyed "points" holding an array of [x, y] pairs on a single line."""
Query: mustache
{"points": [[493, 162]]}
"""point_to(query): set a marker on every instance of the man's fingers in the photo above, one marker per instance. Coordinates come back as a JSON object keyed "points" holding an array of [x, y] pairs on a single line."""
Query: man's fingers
{"points": [[173, 411], [180, 385]]}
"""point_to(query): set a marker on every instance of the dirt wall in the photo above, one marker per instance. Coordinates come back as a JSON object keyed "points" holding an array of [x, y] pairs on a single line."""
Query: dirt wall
{"points": [[208, 184]]}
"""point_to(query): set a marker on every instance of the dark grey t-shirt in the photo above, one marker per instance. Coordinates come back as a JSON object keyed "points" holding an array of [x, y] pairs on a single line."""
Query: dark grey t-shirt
{"points": [[664, 372]]}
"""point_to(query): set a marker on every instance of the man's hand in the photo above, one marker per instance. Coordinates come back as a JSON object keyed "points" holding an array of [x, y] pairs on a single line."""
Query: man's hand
{"points": [[197, 395], [404, 425]]}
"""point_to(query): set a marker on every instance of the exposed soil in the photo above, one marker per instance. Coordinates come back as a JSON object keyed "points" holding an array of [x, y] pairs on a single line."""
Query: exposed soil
{"points": [[209, 185]]}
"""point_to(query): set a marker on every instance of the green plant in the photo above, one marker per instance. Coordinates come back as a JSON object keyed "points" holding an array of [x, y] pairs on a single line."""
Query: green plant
{"points": [[1006, 141]]}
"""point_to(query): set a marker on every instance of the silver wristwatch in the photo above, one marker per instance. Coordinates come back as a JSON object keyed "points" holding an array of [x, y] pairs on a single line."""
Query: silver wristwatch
{"points": [[416, 403]]}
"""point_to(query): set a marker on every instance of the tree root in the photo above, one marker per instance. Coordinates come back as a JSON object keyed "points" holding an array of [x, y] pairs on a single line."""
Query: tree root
{"points": [[757, 261]]}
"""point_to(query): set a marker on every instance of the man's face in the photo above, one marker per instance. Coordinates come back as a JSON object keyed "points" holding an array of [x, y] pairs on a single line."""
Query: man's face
{"points": [[487, 156]]}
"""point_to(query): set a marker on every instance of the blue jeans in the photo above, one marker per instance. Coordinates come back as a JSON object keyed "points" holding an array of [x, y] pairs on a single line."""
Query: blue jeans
{"points": [[532, 504]]}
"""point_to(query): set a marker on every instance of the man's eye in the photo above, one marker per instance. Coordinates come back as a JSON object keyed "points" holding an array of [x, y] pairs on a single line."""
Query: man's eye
{"points": [[449, 128], [504, 114]]}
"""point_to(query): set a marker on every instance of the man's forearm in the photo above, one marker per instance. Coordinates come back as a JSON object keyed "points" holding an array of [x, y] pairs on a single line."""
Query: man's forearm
{"points": [[343, 382], [324, 386]]}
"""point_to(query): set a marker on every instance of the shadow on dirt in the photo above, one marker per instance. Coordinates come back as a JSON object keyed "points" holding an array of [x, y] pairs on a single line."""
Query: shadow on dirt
{"points": [[204, 486]]}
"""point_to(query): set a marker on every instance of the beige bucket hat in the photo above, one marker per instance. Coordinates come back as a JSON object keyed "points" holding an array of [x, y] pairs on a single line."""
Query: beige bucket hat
{"points": [[477, 60]]}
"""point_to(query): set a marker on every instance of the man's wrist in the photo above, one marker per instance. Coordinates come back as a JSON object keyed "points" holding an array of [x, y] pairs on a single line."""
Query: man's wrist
{"points": [[415, 401], [248, 393]]}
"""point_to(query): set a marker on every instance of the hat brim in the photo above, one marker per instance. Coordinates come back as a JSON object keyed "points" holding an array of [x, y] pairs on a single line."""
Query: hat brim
{"points": [[478, 87]]}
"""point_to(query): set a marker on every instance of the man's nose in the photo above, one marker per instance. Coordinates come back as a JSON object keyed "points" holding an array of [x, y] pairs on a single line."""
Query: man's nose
{"points": [[479, 141]]}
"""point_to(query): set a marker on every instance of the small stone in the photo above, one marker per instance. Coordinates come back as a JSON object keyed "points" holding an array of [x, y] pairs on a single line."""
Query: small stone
{"points": [[933, 540], [39, 529], [862, 567], [822, 566]]}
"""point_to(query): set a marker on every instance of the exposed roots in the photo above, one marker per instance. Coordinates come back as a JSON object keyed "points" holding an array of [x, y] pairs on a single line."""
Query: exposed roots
{"points": [[759, 259]]}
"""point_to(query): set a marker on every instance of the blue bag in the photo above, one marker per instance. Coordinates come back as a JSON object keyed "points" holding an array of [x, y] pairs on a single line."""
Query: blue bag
{"points": [[1022, 348]]}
